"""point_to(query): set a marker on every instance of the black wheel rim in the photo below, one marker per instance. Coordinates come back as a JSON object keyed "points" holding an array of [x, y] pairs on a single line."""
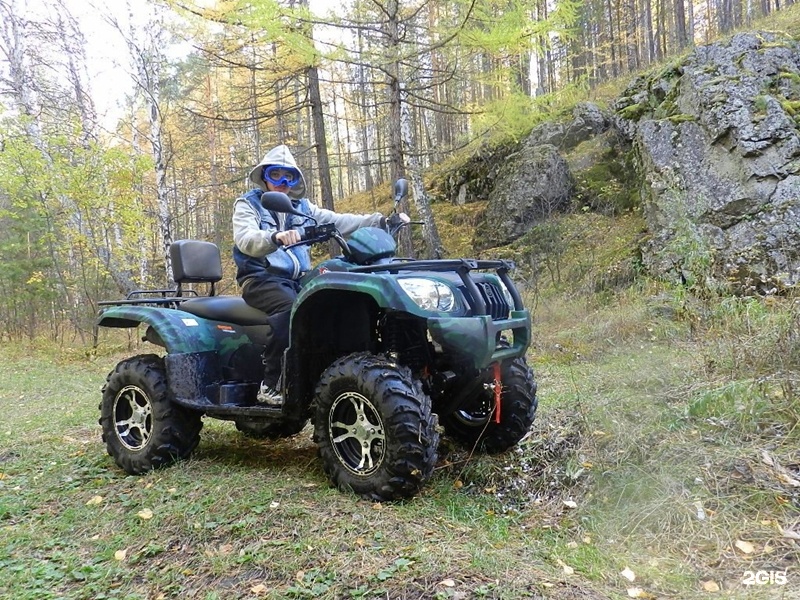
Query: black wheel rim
{"points": [[133, 417], [478, 413], [356, 431]]}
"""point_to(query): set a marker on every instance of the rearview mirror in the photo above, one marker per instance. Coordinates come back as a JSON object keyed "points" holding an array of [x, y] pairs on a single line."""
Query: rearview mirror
{"points": [[400, 190], [279, 202]]}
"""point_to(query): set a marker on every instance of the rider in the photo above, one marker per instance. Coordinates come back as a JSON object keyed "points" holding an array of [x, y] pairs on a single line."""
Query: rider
{"points": [[267, 272]]}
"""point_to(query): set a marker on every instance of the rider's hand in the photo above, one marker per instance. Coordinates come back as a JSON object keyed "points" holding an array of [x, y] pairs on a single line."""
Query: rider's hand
{"points": [[397, 220], [287, 238]]}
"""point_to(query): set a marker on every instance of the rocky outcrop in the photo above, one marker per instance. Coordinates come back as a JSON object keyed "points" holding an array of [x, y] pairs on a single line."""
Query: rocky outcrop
{"points": [[719, 157], [532, 184], [534, 180]]}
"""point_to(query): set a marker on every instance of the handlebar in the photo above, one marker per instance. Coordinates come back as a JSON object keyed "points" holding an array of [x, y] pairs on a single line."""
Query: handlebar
{"points": [[314, 234]]}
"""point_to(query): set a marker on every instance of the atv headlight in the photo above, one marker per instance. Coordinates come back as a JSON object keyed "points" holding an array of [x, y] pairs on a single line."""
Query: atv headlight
{"points": [[507, 294], [428, 294]]}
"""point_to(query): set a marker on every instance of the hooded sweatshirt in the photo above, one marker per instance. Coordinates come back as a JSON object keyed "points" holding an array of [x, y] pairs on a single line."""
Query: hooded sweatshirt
{"points": [[254, 251]]}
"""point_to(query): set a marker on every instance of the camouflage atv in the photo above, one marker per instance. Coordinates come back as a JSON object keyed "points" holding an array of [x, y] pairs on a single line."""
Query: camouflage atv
{"points": [[383, 351]]}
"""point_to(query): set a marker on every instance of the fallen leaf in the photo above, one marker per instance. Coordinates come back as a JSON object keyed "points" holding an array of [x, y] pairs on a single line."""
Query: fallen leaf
{"points": [[791, 534], [745, 547], [572, 545], [300, 576], [636, 592], [448, 583], [259, 590], [701, 512], [226, 549], [628, 574], [565, 567], [788, 479], [710, 586], [120, 554], [94, 501]]}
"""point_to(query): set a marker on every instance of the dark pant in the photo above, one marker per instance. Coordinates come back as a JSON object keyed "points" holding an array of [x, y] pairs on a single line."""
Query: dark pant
{"points": [[275, 296]]}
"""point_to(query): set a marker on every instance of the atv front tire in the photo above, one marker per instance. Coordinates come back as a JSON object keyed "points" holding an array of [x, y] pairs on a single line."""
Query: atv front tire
{"points": [[377, 436], [142, 429], [473, 425]]}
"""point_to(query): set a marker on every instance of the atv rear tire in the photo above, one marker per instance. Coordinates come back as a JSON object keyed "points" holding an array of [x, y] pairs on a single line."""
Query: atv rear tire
{"points": [[474, 426], [377, 436], [270, 430], [142, 429]]}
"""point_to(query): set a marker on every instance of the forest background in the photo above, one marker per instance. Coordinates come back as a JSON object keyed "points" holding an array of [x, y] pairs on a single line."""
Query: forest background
{"points": [[372, 91], [664, 459]]}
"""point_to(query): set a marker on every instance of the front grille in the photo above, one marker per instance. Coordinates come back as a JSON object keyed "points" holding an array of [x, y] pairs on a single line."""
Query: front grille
{"points": [[496, 304]]}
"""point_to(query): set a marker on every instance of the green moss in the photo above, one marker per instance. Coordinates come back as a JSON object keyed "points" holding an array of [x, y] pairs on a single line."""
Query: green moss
{"points": [[793, 77], [761, 104], [681, 118], [792, 107], [609, 186], [634, 112]]}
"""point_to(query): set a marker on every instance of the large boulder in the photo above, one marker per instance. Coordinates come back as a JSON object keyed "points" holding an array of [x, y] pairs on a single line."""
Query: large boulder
{"points": [[534, 180], [719, 157], [531, 185]]}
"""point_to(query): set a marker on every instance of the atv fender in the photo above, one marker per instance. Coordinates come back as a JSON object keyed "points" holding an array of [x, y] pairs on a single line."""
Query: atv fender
{"points": [[199, 351], [180, 331]]}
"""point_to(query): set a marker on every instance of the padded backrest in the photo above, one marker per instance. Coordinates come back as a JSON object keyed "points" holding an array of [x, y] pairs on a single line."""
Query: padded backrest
{"points": [[194, 261]]}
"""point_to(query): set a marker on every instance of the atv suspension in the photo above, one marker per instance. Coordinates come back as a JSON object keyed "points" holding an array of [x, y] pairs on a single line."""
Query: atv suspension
{"points": [[497, 387], [405, 340]]}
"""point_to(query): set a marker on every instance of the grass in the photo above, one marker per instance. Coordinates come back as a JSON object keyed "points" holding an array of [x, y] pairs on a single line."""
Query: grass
{"points": [[661, 442]]}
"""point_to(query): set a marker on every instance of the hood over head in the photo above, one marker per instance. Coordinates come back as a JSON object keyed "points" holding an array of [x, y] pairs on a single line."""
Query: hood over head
{"points": [[279, 156]]}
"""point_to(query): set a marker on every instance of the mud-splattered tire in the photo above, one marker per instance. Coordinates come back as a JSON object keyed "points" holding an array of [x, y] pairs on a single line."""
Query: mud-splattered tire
{"points": [[377, 436], [474, 426], [142, 429], [270, 430]]}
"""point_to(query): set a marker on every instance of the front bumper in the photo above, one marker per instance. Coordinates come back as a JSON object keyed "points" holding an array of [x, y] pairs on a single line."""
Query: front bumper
{"points": [[478, 337]]}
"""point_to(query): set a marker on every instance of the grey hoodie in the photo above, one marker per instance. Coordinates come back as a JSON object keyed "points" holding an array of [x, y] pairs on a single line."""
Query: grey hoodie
{"points": [[252, 232], [279, 156]]}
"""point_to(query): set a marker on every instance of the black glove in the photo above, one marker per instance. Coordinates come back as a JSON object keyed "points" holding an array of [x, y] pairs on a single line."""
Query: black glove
{"points": [[394, 222]]}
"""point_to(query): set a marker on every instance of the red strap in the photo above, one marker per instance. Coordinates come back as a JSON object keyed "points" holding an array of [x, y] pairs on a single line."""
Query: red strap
{"points": [[498, 390]]}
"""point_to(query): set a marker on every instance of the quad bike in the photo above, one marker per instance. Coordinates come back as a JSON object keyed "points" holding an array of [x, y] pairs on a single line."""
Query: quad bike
{"points": [[384, 354]]}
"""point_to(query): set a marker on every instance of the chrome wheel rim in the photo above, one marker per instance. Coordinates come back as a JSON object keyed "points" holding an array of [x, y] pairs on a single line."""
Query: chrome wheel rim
{"points": [[133, 417], [356, 431]]}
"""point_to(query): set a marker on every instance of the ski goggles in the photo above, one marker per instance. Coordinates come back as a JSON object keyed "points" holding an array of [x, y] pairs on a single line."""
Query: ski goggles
{"points": [[281, 176]]}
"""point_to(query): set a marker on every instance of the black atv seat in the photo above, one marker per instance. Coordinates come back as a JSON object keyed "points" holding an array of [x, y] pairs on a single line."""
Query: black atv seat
{"points": [[195, 261]]}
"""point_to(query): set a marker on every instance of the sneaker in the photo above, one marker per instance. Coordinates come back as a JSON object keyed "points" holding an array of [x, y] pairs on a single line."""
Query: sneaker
{"points": [[269, 395]]}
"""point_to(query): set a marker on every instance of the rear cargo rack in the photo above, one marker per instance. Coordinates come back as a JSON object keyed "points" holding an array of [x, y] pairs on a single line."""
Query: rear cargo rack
{"points": [[167, 298]]}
